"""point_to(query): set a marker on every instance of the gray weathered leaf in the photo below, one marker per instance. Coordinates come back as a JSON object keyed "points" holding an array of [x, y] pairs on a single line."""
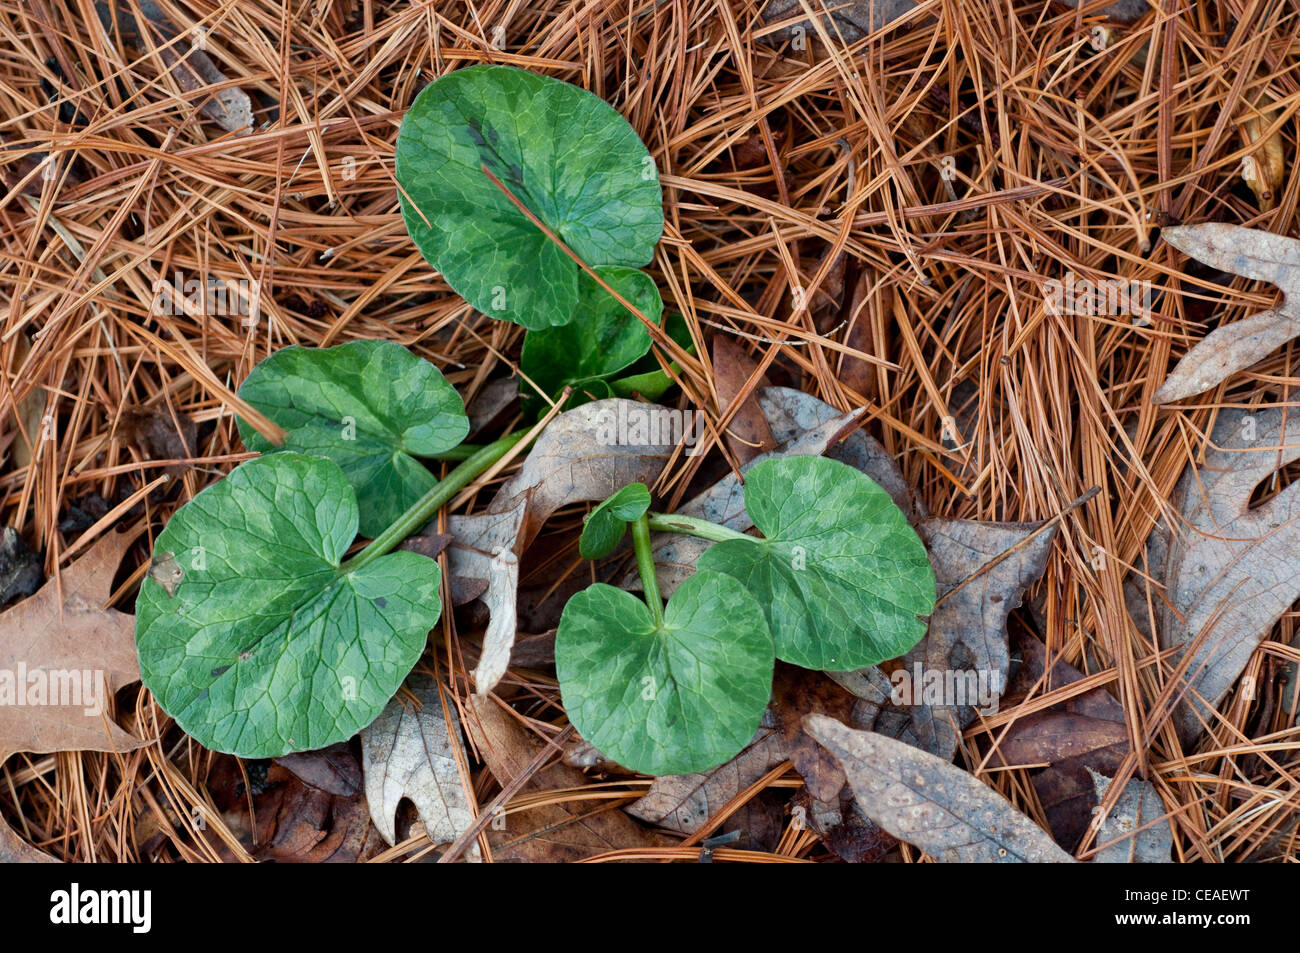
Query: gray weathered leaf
{"points": [[410, 754], [684, 802], [503, 587], [1254, 254], [930, 803], [1229, 570], [852, 20], [1121, 839]]}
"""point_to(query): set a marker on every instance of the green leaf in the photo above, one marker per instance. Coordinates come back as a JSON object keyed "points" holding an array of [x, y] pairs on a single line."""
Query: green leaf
{"points": [[569, 157], [607, 523], [249, 633], [646, 378], [672, 699], [602, 339], [843, 578], [371, 407]]}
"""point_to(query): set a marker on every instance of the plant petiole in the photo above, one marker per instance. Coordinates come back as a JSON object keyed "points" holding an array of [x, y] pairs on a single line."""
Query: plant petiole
{"points": [[692, 526], [439, 496], [645, 563]]}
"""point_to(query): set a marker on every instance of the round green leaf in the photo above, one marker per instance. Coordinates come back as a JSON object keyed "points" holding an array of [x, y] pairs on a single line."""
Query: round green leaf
{"points": [[602, 339], [568, 156], [672, 699], [843, 578], [371, 407], [607, 523], [251, 636]]}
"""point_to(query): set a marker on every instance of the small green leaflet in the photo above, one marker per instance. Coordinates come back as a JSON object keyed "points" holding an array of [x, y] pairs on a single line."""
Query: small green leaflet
{"points": [[568, 156], [607, 523], [371, 407], [602, 339], [672, 700], [249, 634], [843, 578]]}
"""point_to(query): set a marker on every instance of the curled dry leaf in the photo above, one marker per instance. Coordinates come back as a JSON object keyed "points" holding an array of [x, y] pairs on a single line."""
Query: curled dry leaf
{"points": [[685, 802], [230, 108], [748, 434], [556, 832], [503, 586], [1264, 168], [1082, 734], [413, 754], [1134, 831], [930, 803], [1254, 254], [1228, 570], [967, 638]]}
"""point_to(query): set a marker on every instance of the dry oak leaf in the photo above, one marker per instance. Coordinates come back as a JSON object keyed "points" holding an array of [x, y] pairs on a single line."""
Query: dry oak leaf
{"points": [[1254, 254], [72, 650], [932, 804], [412, 754], [75, 651], [1228, 570]]}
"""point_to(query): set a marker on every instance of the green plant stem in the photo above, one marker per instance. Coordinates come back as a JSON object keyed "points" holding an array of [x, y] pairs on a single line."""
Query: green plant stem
{"points": [[692, 526], [424, 508], [645, 563]]}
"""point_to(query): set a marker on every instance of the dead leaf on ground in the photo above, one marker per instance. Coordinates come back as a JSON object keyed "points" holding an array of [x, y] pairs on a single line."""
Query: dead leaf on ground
{"points": [[932, 804], [21, 573], [1265, 168], [413, 754], [747, 434], [333, 770], [558, 832], [685, 802], [230, 108], [1085, 733], [299, 823], [1134, 831], [852, 20], [159, 435], [73, 647], [1254, 254], [1228, 571], [797, 692]]}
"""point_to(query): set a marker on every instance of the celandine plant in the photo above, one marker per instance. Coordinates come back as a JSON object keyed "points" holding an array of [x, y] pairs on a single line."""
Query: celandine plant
{"points": [[260, 636]]}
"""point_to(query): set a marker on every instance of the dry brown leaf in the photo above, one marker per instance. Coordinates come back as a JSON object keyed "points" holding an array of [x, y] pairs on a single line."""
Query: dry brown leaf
{"points": [[852, 20], [77, 650], [192, 68], [1065, 789], [413, 754], [797, 692], [1133, 831], [1228, 570], [1264, 169], [685, 802], [932, 804], [552, 833], [747, 434], [159, 435], [1254, 254], [581, 457]]}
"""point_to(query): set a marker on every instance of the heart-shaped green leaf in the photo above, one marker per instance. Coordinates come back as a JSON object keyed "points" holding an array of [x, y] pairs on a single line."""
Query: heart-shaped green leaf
{"points": [[646, 378], [674, 698], [843, 578], [602, 339], [607, 523], [251, 635], [565, 154], [371, 407]]}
